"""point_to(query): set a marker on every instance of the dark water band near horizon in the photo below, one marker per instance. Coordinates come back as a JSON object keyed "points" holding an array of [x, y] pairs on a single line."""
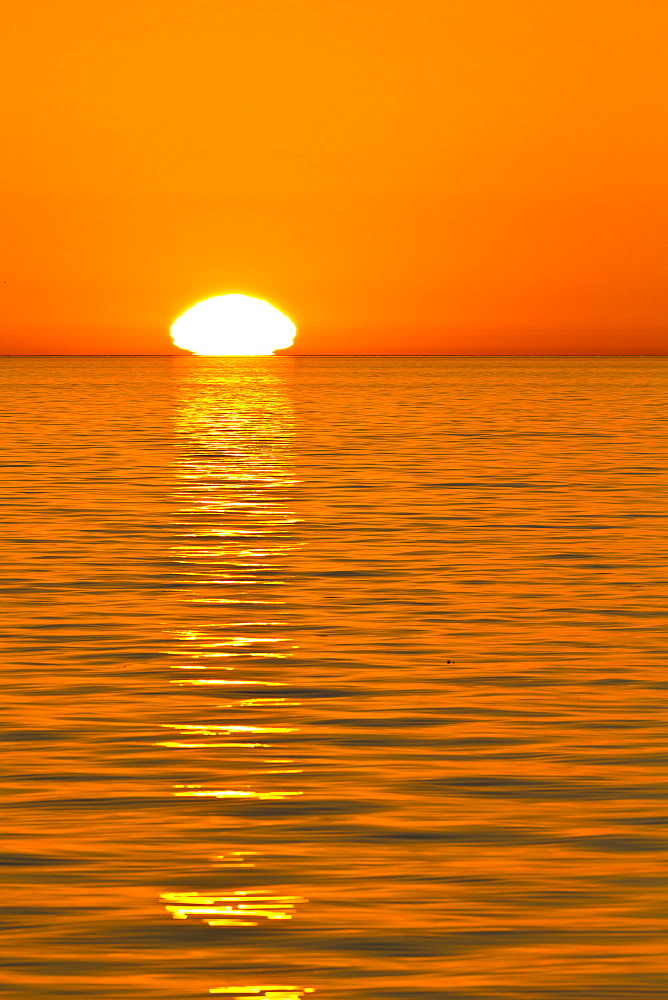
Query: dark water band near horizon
{"points": [[335, 677]]}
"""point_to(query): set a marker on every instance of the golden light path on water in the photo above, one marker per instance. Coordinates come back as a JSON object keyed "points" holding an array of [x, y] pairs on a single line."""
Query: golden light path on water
{"points": [[234, 428]]}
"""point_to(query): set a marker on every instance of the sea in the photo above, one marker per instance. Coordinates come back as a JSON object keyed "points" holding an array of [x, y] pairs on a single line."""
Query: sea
{"points": [[340, 677]]}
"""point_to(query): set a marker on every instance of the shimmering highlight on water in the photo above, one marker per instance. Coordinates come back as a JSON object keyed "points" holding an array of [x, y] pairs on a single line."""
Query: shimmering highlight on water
{"points": [[335, 676]]}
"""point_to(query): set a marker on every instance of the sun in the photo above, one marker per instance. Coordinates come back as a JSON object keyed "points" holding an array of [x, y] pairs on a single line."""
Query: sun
{"points": [[233, 325]]}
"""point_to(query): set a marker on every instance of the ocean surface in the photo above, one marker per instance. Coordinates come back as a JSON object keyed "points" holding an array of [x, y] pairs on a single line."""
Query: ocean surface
{"points": [[334, 676]]}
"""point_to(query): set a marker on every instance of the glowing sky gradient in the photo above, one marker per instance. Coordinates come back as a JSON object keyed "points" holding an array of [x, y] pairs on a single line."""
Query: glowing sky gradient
{"points": [[446, 175]]}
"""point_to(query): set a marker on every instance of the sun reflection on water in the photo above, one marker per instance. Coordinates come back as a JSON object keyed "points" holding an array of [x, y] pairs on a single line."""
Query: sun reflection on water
{"points": [[264, 992], [230, 909], [234, 432]]}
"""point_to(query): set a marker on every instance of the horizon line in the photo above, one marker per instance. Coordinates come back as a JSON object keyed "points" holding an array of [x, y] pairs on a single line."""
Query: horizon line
{"points": [[424, 355]]}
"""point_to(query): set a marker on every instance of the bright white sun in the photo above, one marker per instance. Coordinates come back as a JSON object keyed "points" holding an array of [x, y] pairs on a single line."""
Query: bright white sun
{"points": [[233, 325]]}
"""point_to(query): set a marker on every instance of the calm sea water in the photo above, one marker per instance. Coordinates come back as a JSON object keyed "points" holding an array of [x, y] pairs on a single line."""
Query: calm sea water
{"points": [[335, 675]]}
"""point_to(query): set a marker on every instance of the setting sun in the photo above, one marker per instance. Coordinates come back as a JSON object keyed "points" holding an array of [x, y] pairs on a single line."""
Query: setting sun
{"points": [[233, 325]]}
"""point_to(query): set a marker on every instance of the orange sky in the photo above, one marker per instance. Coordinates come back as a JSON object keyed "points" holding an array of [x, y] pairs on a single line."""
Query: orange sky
{"points": [[438, 176]]}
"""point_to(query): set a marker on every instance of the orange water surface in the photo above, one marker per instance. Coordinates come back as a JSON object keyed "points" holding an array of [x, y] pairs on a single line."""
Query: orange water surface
{"points": [[335, 676]]}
